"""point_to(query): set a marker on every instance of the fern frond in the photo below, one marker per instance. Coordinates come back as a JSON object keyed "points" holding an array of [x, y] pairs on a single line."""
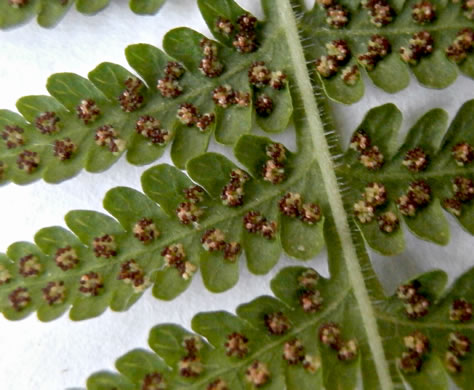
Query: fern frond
{"points": [[235, 212], [379, 38], [432, 170], [89, 123], [50, 12], [307, 337], [85, 269]]}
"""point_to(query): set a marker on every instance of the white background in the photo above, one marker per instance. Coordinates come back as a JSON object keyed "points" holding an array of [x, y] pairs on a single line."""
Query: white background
{"points": [[62, 354]]}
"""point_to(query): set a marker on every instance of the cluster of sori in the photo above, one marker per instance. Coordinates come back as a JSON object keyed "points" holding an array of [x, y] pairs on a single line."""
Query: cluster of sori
{"points": [[420, 45], [256, 223], [232, 194], [459, 346], [380, 13], [415, 302], [417, 197], [48, 123], [338, 55], [462, 45], [106, 135], [417, 345], [131, 99], [468, 8], [169, 85], [189, 115], [463, 189], [330, 335], [214, 240], [274, 168], [260, 77], [373, 198], [133, 274], [463, 186], [370, 155], [378, 47], [210, 65], [224, 96], [190, 365], [189, 212], [67, 258], [292, 206], [150, 128], [337, 16], [244, 35], [175, 257], [309, 296]]}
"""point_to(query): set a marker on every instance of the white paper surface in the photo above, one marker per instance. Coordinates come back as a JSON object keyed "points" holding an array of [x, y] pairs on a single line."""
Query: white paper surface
{"points": [[62, 354]]}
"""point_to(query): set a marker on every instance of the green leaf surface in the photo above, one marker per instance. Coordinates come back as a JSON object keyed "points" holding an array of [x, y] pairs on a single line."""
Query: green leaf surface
{"points": [[146, 7]]}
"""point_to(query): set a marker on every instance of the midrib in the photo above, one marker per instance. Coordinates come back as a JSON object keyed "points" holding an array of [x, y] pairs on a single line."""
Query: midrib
{"points": [[324, 159]]}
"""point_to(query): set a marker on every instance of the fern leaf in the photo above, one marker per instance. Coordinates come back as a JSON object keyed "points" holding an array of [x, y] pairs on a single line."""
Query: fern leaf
{"points": [[103, 247], [110, 250], [89, 123], [50, 12], [303, 183], [306, 337], [435, 163], [376, 36]]}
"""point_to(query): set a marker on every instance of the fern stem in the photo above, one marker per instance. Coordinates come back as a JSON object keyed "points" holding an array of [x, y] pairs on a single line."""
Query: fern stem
{"points": [[324, 158]]}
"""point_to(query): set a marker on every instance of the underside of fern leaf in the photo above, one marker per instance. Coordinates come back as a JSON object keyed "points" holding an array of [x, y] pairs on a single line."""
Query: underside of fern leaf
{"points": [[309, 337], [50, 12], [90, 123], [432, 163], [274, 200], [110, 251], [385, 40], [196, 89]]}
